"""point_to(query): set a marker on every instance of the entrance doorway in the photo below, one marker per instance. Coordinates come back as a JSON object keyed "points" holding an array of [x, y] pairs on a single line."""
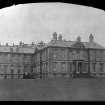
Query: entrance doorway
{"points": [[78, 66], [79, 69]]}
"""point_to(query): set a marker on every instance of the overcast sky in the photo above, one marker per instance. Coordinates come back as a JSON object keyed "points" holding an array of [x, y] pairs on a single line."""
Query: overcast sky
{"points": [[35, 22]]}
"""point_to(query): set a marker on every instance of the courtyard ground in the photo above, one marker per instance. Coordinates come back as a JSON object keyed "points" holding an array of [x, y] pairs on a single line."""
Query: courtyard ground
{"points": [[52, 90]]}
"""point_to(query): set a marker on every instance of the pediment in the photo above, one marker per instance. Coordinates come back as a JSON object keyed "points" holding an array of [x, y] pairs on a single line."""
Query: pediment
{"points": [[78, 45]]}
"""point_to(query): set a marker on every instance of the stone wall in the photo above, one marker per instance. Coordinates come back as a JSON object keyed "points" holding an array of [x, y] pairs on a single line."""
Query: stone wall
{"points": [[14, 65], [59, 61], [97, 62]]}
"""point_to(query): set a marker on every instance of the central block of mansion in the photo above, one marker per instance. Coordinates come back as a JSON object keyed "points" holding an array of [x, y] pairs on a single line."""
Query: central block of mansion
{"points": [[56, 58], [69, 58]]}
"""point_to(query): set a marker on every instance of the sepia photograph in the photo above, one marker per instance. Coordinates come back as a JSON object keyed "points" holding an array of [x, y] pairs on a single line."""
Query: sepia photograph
{"points": [[52, 51]]}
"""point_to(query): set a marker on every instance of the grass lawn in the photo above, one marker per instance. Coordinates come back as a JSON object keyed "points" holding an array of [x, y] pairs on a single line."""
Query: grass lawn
{"points": [[52, 89]]}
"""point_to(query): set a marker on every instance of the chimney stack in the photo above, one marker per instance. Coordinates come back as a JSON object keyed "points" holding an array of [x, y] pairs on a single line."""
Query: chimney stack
{"points": [[20, 43], [54, 36], [32, 43], [78, 39], [91, 38], [6, 44], [13, 44], [60, 37]]}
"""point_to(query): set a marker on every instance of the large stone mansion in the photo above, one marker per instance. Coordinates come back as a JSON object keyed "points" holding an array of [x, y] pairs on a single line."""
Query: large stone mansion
{"points": [[69, 58], [56, 58]]}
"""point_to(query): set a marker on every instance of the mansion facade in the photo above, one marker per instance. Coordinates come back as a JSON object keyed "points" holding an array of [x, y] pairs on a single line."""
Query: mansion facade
{"points": [[56, 58], [69, 58]]}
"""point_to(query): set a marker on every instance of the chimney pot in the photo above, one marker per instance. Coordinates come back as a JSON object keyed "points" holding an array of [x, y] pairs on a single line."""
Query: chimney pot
{"points": [[54, 36]]}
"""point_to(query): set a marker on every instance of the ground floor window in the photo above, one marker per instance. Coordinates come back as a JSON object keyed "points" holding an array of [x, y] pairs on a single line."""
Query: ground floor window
{"points": [[85, 68], [94, 66], [70, 67], [54, 74], [101, 67], [12, 73], [54, 66], [5, 76], [19, 73], [63, 67]]}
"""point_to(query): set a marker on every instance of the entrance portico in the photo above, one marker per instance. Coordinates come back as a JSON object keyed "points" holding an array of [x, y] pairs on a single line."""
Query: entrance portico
{"points": [[79, 69]]}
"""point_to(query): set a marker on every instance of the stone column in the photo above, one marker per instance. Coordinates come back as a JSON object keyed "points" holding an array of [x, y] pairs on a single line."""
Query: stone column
{"points": [[67, 69], [48, 64], [77, 67], [71, 69]]}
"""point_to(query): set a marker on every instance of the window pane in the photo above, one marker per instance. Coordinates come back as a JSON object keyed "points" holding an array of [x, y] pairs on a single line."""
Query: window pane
{"points": [[101, 67]]}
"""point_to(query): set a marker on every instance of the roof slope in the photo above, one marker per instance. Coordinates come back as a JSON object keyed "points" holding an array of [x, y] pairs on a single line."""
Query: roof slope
{"points": [[93, 45], [63, 43], [17, 49]]}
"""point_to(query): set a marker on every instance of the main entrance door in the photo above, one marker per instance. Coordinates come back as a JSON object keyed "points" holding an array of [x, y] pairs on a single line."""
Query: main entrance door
{"points": [[79, 69], [77, 66]]}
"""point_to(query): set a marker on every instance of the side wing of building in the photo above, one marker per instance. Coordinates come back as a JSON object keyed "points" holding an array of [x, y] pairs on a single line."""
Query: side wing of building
{"points": [[15, 61]]}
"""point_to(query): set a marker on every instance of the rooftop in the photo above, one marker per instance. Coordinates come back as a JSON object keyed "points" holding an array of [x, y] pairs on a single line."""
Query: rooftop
{"points": [[24, 48], [58, 41]]}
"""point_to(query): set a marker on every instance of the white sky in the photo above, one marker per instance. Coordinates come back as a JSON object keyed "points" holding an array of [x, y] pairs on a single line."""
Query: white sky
{"points": [[37, 21]]}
